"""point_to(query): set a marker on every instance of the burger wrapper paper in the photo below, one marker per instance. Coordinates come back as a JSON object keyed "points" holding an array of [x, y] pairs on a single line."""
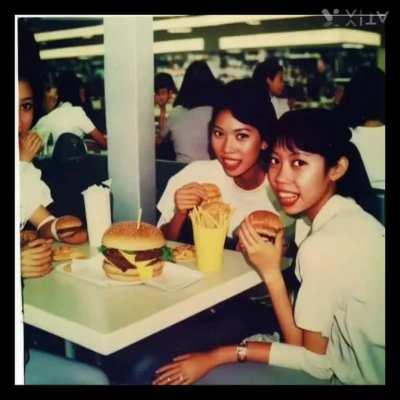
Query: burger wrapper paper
{"points": [[174, 276]]}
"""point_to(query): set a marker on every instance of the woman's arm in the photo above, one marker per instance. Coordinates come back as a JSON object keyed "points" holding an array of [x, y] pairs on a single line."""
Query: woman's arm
{"points": [[189, 368], [266, 258], [99, 137], [173, 228], [283, 308]]}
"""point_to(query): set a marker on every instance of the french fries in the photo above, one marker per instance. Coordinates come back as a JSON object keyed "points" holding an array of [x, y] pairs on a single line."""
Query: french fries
{"points": [[216, 216]]}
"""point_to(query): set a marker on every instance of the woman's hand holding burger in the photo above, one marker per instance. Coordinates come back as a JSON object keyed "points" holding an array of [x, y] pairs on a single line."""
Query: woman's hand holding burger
{"points": [[265, 256], [36, 258], [189, 196]]}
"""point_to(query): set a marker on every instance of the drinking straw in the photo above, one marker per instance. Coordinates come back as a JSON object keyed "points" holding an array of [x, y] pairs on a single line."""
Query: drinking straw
{"points": [[139, 219]]}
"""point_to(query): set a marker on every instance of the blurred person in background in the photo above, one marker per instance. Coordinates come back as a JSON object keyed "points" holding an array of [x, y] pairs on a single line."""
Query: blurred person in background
{"points": [[363, 110], [69, 116], [50, 98], [269, 75], [188, 121], [164, 95], [164, 91]]}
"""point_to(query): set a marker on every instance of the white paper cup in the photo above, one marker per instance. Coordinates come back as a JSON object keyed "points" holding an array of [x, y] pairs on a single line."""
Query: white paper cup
{"points": [[98, 213]]}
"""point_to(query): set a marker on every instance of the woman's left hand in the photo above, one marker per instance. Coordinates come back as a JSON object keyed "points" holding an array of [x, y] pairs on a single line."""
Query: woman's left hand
{"points": [[185, 369], [265, 256]]}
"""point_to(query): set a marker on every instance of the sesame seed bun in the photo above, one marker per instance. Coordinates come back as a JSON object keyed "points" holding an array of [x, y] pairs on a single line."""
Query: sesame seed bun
{"points": [[126, 236], [266, 221], [213, 192]]}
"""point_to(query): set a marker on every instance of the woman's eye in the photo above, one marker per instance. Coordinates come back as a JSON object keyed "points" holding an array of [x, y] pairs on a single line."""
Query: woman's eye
{"points": [[217, 133], [242, 136], [299, 163], [27, 106], [274, 161]]}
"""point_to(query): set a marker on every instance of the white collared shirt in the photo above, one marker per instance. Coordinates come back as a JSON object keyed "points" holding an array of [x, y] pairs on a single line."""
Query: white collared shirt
{"points": [[65, 118], [280, 105], [341, 267], [370, 142], [33, 191]]}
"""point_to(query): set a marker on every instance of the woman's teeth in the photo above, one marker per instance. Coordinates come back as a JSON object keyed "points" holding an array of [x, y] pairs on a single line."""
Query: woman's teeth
{"points": [[231, 163], [287, 198]]}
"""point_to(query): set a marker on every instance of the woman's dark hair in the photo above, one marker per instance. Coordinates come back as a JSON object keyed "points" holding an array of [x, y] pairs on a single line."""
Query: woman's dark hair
{"points": [[246, 101], [364, 97], [319, 131], [68, 88], [164, 81], [198, 86], [267, 69], [31, 68]]}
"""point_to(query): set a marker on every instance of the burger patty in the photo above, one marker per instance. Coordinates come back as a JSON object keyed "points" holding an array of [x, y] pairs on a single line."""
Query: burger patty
{"points": [[115, 257], [148, 254]]}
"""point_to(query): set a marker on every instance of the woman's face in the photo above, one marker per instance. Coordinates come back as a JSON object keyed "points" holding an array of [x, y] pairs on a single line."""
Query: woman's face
{"points": [[236, 145], [25, 106], [277, 84], [300, 181]]}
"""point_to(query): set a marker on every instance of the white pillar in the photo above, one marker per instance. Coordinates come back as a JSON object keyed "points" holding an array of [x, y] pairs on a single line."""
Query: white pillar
{"points": [[129, 89]]}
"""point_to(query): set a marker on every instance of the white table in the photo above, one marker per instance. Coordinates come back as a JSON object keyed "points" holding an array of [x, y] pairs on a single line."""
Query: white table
{"points": [[106, 320]]}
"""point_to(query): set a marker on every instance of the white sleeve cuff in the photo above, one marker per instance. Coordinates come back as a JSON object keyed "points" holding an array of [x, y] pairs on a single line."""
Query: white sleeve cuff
{"points": [[297, 357]]}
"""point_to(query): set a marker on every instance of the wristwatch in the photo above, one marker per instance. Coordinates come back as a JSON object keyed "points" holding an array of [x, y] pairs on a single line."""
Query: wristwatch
{"points": [[241, 352]]}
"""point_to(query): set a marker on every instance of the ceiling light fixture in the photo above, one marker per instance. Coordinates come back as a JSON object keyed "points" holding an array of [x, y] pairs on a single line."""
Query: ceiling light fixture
{"points": [[165, 24], [165, 46], [301, 38]]}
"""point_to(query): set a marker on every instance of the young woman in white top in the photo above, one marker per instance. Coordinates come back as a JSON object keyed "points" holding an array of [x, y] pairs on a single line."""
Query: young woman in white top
{"points": [[269, 75], [336, 330], [36, 256], [240, 130], [363, 109]]}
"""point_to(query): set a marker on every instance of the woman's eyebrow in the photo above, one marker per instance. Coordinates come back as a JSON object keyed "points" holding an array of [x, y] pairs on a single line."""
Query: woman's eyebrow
{"points": [[218, 127], [27, 98], [242, 129]]}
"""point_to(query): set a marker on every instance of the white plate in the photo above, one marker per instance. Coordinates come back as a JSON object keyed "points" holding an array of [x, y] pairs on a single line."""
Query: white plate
{"points": [[174, 276]]}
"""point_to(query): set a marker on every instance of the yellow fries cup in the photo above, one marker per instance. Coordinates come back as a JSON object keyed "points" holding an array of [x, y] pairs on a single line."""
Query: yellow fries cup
{"points": [[209, 245]]}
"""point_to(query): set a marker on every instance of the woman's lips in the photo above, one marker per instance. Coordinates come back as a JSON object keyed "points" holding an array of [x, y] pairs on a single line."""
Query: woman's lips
{"points": [[287, 199], [230, 163]]}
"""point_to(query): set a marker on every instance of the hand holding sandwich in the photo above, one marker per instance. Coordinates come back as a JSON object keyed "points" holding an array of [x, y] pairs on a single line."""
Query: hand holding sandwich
{"points": [[67, 229], [189, 196], [264, 254]]}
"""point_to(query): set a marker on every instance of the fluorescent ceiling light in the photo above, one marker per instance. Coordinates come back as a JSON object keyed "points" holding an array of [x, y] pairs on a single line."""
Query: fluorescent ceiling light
{"points": [[215, 20], [352, 46], [301, 38], [166, 46], [74, 51], [253, 22], [175, 46], [87, 31], [179, 30], [166, 24]]}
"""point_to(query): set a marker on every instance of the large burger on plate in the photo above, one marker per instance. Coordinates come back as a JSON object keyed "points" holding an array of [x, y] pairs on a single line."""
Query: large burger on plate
{"points": [[133, 252]]}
